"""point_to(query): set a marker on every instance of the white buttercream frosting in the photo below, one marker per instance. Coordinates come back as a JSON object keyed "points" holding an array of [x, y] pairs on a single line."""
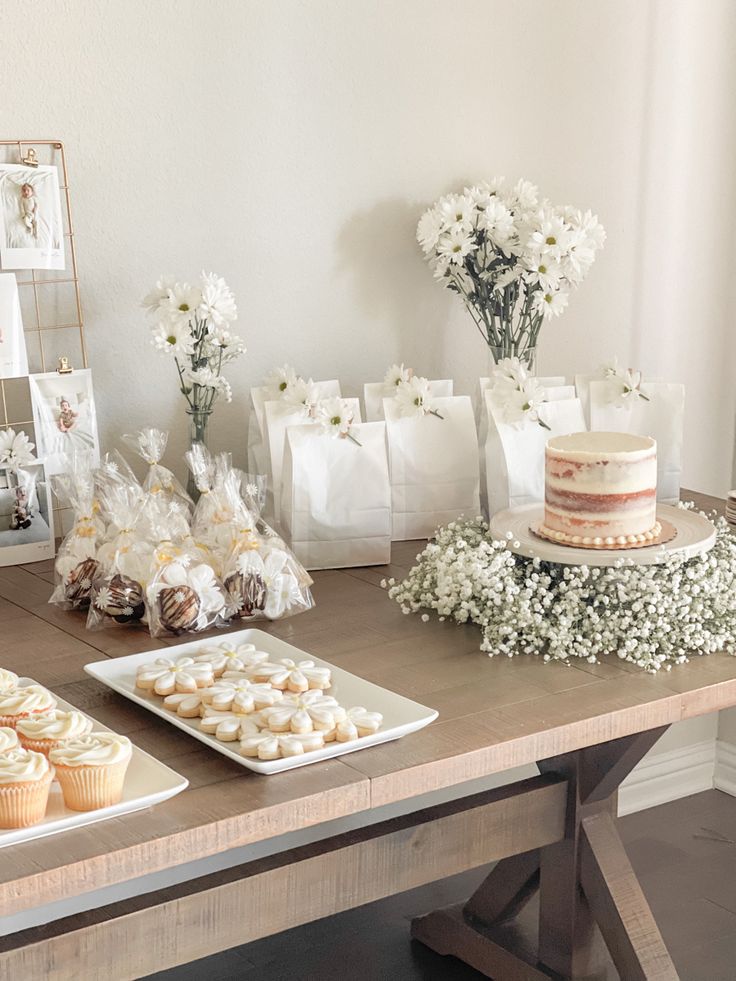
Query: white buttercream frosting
{"points": [[32, 699], [22, 766], [8, 679], [8, 739], [60, 725], [95, 749]]}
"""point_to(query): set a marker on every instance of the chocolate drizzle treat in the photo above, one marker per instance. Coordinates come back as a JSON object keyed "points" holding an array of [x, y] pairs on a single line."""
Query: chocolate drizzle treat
{"points": [[248, 592], [120, 598], [78, 585], [178, 608]]}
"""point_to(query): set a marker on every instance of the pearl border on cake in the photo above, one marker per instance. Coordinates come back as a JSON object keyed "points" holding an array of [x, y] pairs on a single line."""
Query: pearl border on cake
{"points": [[611, 542]]}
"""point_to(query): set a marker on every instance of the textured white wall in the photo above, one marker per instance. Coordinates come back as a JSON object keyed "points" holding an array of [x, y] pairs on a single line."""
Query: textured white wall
{"points": [[292, 145]]}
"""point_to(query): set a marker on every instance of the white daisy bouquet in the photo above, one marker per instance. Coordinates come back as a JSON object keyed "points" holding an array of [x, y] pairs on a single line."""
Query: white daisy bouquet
{"points": [[192, 325], [513, 257]]}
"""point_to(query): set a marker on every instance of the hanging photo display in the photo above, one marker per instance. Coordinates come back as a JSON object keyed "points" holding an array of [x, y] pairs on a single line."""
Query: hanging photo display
{"points": [[13, 357], [31, 230], [64, 417], [26, 516]]}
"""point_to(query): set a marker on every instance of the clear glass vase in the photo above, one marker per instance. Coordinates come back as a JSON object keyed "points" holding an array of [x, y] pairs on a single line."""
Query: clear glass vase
{"points": [[198, 432], [525, 352]]}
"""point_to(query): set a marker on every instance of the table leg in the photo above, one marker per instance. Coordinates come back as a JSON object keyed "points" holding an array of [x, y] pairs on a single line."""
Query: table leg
{"points": [[584, 881]]}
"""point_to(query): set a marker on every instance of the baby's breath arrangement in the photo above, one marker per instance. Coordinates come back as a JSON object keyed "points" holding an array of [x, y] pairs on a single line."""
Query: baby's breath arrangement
{"points": [[653, 616]]}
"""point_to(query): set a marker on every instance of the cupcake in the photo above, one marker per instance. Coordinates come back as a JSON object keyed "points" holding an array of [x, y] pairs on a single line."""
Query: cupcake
{"points": [[91, 769], [8, 680], [8, 739], [46, 732], [25, 778], [25, 703]]}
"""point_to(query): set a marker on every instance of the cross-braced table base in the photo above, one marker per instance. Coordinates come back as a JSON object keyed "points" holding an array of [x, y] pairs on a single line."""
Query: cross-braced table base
{"points": [[583, 881]]}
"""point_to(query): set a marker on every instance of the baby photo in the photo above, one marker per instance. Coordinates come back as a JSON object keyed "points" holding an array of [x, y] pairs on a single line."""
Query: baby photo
{"points": [[26, 518], [31, 233], [64, 418], [13, 358]]}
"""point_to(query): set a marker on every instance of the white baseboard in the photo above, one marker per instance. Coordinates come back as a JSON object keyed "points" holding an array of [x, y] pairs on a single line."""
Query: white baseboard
{"points": [[675, 773], [724, 774]]}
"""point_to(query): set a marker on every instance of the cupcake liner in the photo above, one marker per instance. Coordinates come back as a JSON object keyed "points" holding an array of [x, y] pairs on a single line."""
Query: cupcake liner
{"points": [[24, 804], [40, 745], [85, 788]]}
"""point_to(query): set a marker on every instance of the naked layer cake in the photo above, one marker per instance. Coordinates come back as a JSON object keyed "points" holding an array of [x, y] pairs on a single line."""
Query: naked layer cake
{"points": [[601, 489]]}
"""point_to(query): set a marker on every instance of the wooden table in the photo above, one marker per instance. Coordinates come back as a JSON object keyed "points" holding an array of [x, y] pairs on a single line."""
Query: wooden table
{"points": [[588, 724]]}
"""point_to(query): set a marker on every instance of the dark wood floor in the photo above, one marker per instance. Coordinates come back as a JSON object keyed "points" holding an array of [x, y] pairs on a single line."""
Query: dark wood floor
{"points": [[684, 854]]}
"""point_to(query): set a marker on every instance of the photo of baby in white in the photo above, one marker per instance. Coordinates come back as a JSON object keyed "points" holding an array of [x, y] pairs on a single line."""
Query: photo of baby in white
{"points": [[64, 417], [30, 214], [24, 510]]}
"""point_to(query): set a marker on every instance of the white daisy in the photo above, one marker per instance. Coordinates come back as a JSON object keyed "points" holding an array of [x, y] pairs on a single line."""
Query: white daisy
{"points": [[281, 380], [428, 230], [173, 338], [457, 210], [543, 269], [395, 375], [159, 295], [103, 598], [335, 418], [16, 450], [217, 303], [413, 398], [550, 303], [302, 396], [456, 244]]}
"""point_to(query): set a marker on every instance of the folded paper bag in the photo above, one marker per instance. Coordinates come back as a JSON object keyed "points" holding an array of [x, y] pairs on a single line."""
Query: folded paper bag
{"points": [[336, 499], [433, 464], [514, 452]]}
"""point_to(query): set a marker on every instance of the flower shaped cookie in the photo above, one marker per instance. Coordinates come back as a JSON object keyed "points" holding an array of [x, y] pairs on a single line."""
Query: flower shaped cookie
{"points": [[288, 675], [229, 726], [164, 676], [267, 745], [305, 713], [358, 722], [231, 657]]}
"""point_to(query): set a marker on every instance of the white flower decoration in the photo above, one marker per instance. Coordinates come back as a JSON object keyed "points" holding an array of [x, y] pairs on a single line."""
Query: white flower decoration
{"points": [[335, 418], [413, 398], [267, 745], [230, 657], [217, 303], [16, 450], [304, 713], [302, 396], [395, 375], [358, 722], [164, 676], [291, 676], [172, 338], [281, 380]]}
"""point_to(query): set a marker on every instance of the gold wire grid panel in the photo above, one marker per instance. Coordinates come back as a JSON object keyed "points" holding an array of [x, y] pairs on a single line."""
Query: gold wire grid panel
{"points": [[50, 302]]}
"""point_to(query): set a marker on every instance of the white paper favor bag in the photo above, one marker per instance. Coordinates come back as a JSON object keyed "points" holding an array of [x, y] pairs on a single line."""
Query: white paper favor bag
{"points": [[277, 415], [433, 465], [662, 417], [514, 452], [336, 498], [375, 392]]}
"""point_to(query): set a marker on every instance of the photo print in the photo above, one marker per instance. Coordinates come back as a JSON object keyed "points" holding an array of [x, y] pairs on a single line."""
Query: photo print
{"points": [[31, 231], [13, 357], [64, 418], [26, 515]]}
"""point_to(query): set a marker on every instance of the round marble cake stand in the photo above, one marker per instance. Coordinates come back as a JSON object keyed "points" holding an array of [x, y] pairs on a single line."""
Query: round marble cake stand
{"points": [[695, 534]]}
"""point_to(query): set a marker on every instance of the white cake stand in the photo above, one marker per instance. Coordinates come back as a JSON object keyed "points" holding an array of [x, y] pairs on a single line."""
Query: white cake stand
{"points": [[695, 534]]}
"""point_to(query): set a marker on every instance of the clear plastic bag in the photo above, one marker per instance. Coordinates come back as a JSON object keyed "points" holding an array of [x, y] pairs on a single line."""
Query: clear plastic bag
{"points": [[261, 574], [186, 597], [117, 594], [160, 482], [76, 563], [220, 513]]}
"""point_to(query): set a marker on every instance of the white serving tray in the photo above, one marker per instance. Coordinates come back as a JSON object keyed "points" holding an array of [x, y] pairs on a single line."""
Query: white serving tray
{"points": [[695, 534], [400, 715], [147, 782]]}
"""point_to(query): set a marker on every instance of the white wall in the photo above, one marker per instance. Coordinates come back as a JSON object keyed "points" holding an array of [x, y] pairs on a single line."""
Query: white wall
{"points": [[291, 146]]}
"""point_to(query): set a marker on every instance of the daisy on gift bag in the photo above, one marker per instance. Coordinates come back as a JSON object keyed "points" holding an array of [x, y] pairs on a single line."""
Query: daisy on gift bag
{"points": [[375, 392], [621, 401], [336, 501], [521, 418], [433, 459]]}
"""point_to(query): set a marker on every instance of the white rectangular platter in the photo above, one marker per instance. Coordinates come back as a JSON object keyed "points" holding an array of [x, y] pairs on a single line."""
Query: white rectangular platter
{"points": [[147, 782], [400, 715]]}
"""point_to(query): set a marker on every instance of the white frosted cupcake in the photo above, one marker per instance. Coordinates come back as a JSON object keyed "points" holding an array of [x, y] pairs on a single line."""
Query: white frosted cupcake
{"points": [[46, 732], [8, 680], [25, 703], [91, 769], [8, 739], [25, 778]]}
